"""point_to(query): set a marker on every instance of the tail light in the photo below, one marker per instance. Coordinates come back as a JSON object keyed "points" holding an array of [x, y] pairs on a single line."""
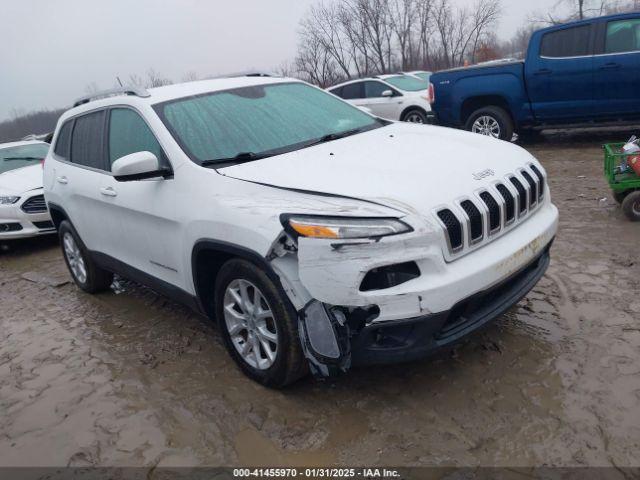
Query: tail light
{"points": [[432, 93]]}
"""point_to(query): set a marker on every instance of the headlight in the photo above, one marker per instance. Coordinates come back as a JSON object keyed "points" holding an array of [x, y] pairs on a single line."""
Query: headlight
{"points": [[8, 200], [343, 227]]}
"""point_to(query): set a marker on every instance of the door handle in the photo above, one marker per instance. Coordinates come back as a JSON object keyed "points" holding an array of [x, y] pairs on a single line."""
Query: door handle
{"points": [[108, 192], [610, 66], [63, 180], [542, 71]]}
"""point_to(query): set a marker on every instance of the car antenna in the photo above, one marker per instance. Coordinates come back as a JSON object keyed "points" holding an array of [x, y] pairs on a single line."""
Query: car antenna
{"points": [[119, 81]]}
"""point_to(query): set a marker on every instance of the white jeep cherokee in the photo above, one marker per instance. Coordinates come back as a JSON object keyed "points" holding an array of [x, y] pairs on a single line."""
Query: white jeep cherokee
{"points": [[317, 235]]}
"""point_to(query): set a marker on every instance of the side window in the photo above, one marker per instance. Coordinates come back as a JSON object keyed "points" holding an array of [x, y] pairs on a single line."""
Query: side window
{"points": [[568, 42], [62, 144], [86, 140], [336, 91], [129, 133], [623, 36], [374, 89], [352, 91]]}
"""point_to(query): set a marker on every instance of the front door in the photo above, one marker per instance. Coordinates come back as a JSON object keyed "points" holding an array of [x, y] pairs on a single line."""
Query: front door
{"points": [[383, 106], [149, 236]]}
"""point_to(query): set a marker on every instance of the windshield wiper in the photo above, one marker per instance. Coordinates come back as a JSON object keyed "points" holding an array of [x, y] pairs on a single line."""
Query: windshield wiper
{"points": [[334, 136], [23, 158], [241, 157]]}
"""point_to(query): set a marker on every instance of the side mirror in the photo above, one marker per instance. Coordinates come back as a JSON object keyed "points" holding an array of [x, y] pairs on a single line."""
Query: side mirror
{"points": [[387, 93], [137, 166]]}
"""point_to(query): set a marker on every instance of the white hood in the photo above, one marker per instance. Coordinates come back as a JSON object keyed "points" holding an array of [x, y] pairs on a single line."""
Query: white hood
{"points": [[21, 180], [412, 167]]}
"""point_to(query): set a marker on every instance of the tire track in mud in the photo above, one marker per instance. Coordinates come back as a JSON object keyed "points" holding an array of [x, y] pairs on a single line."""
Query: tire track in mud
{"points": [[134, 379]]}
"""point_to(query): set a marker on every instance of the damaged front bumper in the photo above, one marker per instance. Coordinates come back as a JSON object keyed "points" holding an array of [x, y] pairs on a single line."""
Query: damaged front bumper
{"points": [[343, 322], [332, 344]]}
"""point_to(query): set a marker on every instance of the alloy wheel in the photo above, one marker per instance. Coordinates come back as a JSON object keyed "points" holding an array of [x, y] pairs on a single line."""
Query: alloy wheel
{"points": [[74, 257], [250, 323], [486, 125]]}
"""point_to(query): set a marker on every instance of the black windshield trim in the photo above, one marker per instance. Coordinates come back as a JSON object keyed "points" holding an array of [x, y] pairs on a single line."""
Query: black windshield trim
{"points": [[159, 109]]}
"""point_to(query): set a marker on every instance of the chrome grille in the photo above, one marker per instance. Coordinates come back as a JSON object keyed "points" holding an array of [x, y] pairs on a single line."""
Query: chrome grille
{"points": [[492, 210], [34, 204]]}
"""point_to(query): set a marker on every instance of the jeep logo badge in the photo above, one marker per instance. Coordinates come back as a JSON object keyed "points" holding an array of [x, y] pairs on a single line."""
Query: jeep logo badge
{"points": [[484, 173]]}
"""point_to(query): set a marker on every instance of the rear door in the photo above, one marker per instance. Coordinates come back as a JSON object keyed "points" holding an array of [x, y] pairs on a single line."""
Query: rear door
{"points": [[617, 69], [352, 93], [559, 76], [82, 178]]}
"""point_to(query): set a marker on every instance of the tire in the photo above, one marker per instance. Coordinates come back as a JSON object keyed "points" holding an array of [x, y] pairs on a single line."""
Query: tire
{"points": [[631, 206], [287, 363], [620, 196], [415, 115], [76, 256], [491, 121]]}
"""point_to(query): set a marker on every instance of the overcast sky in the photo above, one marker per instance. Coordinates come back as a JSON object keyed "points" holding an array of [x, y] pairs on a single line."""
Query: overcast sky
{"points": [[52, 49]]}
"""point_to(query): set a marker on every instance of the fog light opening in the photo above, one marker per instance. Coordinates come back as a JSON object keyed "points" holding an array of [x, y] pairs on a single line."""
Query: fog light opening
{"points": [[389, 276]]}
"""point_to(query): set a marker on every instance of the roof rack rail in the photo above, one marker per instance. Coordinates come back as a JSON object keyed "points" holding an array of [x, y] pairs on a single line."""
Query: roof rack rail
{"points": [[250, 73], [136, 91]]}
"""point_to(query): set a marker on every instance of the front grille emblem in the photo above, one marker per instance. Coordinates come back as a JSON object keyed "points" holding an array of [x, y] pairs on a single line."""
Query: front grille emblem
{"points": [[483, 174]]}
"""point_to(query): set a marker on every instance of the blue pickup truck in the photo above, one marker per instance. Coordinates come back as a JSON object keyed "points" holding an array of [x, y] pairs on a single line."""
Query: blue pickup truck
{"points": [[577, 74]]}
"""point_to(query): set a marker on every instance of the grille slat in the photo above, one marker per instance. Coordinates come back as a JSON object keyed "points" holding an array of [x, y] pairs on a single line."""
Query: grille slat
{"points": [[453, 228], [533, 190], [522, 195], [538, 174], [509, 203], [34, 204], [475, 220], [494, 211]]}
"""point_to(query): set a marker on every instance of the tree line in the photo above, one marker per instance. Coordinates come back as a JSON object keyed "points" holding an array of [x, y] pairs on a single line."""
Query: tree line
{"points": [[345, 39]]}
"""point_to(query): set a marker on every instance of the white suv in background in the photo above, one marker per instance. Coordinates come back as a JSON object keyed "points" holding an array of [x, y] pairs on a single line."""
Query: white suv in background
{"points": [[318, 236], [23, 212], [394, 97]]}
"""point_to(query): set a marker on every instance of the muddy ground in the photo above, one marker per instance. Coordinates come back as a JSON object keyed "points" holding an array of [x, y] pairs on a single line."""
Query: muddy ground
{"points": [[131, 378]]}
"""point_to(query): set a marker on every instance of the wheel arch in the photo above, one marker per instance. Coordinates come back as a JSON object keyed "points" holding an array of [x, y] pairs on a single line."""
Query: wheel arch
{"points": [[208, 256], [410, 108], [472, 104], [58, 214]]}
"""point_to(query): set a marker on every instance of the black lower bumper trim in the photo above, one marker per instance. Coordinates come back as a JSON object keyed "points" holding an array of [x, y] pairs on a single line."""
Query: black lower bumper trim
{"points": [[407, 340]]}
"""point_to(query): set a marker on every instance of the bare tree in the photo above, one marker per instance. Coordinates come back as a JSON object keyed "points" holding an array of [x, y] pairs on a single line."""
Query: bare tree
{"points": [[155, 79], [190, 76]]}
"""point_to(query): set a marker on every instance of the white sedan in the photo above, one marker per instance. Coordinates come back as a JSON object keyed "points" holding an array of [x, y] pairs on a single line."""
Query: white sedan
{"points": [[23, 211], [394, 97]]}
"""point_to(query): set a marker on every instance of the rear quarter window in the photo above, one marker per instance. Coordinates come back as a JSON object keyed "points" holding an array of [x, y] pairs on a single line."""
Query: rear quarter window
{"points": [[352, 91], [63, 142]]}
